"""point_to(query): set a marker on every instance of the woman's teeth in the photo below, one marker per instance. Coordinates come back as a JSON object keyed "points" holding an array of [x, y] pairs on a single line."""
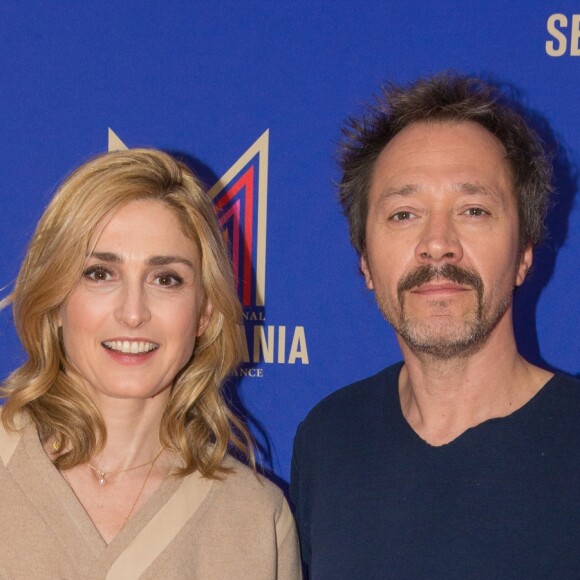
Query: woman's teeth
{"points": [[130, 346]]}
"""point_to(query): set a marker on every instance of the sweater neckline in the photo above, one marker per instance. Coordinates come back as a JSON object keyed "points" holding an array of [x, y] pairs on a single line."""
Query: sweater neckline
{"points": [[76, 514], [518, 414]]}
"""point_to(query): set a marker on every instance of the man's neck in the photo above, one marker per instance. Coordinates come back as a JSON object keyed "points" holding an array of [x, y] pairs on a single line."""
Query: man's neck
{"points": [[441, 399]]}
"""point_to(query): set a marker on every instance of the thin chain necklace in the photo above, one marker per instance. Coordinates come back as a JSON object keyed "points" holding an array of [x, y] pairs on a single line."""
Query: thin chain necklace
{"points": [[102, 475], [151, 465], [142, 487]]}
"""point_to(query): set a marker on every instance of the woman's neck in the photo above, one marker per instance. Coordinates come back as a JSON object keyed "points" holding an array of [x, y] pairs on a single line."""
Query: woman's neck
{"points": [[132, 432]]}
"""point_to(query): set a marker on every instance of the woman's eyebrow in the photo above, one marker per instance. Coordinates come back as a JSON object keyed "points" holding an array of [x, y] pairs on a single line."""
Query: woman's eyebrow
{"points": [[107, 257], [165, 260], [114, 258]]}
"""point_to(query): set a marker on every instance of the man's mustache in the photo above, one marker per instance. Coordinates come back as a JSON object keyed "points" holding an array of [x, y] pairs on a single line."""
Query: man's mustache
{"points": [[425, 274]]}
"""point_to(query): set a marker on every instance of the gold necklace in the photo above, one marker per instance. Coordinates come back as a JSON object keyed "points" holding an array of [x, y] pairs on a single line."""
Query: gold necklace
{"points": [[151, 465], [102, 475], [142, 488]]}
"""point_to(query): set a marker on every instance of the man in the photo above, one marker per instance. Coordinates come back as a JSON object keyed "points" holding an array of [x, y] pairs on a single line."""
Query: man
{"points": [[464, 460]]}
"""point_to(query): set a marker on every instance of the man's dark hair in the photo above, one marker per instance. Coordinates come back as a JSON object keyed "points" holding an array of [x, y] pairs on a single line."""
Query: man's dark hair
{"points": [[453, 98]]}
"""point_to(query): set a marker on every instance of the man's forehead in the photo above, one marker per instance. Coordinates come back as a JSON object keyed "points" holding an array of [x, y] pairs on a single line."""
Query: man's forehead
{"points": [[464, 154], [439, 130]]}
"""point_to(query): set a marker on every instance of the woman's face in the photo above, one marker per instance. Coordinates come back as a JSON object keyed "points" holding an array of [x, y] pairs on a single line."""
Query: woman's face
{"points": [[131, 323]]}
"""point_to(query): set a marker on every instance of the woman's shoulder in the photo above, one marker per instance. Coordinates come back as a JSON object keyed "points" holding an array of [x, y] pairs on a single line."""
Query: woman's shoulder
{"points": [[247, 496], [245, 484], [9, 439]]}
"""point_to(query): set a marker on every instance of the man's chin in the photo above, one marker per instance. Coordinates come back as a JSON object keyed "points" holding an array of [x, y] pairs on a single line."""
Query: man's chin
{"points": [[442, 343]]}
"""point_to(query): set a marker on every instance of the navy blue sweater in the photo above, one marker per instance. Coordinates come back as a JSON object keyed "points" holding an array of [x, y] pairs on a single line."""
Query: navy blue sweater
{"points": [[373, 500]]}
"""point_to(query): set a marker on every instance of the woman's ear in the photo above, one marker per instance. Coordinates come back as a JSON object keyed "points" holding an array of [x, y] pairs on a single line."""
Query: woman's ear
{"points": [[205, 317]]}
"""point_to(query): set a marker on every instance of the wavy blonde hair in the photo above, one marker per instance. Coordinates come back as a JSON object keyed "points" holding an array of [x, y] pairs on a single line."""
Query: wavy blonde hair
{"points": [[197, 423]]}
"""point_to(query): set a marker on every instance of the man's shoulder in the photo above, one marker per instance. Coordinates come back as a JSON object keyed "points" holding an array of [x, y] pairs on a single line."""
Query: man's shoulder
{"points": [[561, 394], [353, 400], [567, 382]]}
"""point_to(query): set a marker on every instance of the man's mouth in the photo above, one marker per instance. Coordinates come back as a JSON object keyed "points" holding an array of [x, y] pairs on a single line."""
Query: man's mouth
{"points": [[449, 275], [130, 346], [434, 288]]}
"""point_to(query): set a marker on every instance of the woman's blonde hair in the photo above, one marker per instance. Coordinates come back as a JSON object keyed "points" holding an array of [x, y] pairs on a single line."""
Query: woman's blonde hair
{"points": [[197, 423]]}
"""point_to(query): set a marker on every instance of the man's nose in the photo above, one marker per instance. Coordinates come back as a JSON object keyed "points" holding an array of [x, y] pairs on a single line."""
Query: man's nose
{"points": [[439, 241]]}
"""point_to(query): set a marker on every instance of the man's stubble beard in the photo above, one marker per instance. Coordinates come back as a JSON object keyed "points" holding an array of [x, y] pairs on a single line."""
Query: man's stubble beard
{"points": [[456, 339]]}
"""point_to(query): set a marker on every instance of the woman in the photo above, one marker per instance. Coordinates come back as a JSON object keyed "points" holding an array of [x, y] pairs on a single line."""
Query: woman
{"points": [[114, 449]]}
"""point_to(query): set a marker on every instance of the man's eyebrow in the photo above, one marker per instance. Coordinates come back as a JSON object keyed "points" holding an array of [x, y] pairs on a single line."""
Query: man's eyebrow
{"points": [[402, 191], [113, 258], [475, 188], [493, 193], [463, 187]]}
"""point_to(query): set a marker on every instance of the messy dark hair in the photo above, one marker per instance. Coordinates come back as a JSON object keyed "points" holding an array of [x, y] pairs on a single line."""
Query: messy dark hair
{"points": [[446, 97]]}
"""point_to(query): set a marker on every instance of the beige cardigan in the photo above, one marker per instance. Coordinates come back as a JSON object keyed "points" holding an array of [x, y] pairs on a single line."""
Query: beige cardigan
{"points": [[236, 528]]}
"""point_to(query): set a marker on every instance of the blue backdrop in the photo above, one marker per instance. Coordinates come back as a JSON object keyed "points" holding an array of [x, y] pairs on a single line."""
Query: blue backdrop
{"points": [[252, 94]]}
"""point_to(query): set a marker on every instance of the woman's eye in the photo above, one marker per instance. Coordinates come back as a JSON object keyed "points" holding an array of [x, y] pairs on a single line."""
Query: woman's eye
{"points": [[97, 274], [169, 280]]}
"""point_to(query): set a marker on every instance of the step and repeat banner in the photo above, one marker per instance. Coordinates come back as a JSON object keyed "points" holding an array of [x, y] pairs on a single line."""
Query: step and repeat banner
{"points": [[252, 96]]}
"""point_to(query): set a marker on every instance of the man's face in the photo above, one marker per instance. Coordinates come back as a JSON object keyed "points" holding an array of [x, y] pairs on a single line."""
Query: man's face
{"points": [[442, 251]]}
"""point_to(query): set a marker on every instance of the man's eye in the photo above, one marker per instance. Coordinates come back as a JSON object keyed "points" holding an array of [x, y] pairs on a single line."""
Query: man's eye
{"points": [[97, 274], [476, 211], [402, 216]]}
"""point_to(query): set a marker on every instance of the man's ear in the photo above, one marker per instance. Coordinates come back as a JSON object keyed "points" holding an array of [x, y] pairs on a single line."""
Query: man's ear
{"points": [[364, 268], [525, 265]]}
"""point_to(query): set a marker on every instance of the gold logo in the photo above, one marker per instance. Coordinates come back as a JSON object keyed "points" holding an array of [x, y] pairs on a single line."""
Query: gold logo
{"points": [[240, 198], [565, 33]]}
